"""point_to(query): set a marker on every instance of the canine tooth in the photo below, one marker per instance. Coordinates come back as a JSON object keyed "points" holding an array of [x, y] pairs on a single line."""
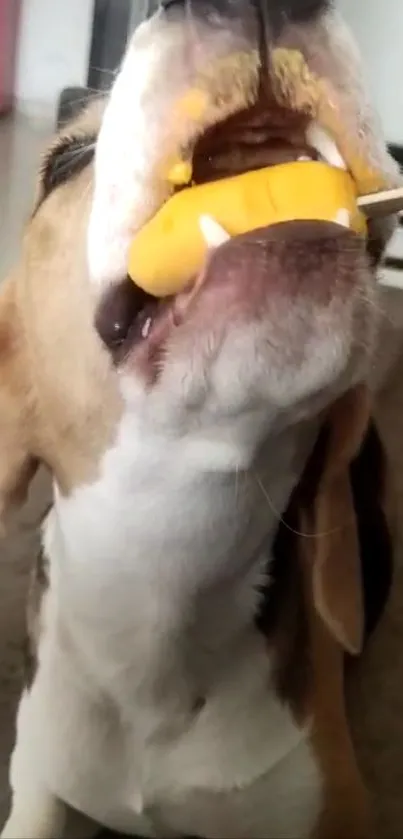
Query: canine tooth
{"points": [[343, 218], [213, 233], [304, 158], [324, 144]]}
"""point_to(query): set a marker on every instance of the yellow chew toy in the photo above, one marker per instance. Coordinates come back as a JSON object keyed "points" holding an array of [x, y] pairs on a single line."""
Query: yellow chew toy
{"points": [[171, 249]]}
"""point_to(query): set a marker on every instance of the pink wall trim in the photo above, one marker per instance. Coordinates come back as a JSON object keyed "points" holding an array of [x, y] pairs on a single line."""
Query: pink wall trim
{"points": [[9, 21]]}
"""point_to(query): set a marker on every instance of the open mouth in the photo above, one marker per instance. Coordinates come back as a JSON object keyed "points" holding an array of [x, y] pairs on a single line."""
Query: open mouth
{"points": [[257, 139], [130, 318]]}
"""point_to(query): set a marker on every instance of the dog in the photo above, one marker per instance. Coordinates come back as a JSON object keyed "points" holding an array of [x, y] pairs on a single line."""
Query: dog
{"points": [[186, 658]]}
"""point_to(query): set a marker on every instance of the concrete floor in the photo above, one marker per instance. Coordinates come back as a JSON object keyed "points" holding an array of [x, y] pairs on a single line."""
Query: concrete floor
{"points": [[377, 690], [21, 144]]}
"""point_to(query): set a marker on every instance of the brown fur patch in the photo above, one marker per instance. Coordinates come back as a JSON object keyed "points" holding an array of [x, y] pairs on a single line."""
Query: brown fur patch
{"points": [[48, 342], [345, 808], [334, 609], [310, 660]]}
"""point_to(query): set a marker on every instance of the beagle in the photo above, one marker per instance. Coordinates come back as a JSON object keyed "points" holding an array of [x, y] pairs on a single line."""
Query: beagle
{"points": [[206, 564]]}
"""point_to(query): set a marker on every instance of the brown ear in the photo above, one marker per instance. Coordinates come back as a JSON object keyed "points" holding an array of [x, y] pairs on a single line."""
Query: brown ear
{"points": [[336, 565], [16, 465]]}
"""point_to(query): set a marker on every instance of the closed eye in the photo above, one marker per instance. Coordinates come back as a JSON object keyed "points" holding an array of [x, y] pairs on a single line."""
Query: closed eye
{"points": [[65, 160]]}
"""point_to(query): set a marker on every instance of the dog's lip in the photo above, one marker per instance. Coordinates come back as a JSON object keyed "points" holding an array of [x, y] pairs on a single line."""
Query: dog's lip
{"points": [[128, 318], [123, 312], [144, 342], [253, 139]]}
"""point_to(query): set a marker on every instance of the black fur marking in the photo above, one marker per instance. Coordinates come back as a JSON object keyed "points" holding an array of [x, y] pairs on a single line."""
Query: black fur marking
{"points": [[66, 160], [30, 663], [368, 478]]}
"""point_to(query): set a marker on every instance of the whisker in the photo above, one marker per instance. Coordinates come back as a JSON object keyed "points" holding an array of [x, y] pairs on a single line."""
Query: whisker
{"points": [[104, 70], [375, 305], [281, 519], [95, 92]]}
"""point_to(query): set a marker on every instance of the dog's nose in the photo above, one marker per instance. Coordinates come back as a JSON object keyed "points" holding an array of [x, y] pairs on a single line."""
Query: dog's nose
{"points": [[273, 13]]}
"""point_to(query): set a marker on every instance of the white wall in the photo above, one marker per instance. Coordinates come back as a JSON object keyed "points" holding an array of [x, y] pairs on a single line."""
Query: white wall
{"points": [[378, 27], [53, 51]]}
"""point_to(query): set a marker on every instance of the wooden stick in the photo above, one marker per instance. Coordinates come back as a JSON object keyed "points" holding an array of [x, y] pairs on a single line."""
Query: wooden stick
{"points": [[384, 203], [376, 205]]}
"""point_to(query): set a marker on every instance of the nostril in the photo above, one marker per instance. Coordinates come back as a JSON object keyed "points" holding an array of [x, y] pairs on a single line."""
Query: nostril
{"points": [[117, 311]]}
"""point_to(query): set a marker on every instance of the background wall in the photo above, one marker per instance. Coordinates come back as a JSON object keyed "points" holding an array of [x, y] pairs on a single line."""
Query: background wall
{"points": [[53, 51], [378, 26]]}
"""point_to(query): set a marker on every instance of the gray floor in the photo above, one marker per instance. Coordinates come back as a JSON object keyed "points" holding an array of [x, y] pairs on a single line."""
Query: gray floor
{"points": [[21, 144]]}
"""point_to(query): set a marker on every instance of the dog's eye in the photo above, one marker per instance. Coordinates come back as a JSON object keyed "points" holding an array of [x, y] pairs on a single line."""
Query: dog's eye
{"points": [[64, 161]]}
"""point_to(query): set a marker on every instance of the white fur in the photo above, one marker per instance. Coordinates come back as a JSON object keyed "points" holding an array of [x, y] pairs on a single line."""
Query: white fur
{"points": [[151, 607], [145, 129]]}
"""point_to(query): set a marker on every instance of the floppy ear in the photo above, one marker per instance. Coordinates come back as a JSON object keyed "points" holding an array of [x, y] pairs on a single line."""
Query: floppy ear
{"points": [[17, 467], [336, 574]]}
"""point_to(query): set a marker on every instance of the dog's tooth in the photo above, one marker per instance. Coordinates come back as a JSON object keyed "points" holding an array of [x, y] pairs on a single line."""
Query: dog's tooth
{"points": [[213, 233], [304, 158], [324, 144], [343, 218]]}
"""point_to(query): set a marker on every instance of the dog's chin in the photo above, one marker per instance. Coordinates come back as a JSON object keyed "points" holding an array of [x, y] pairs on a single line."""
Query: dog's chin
{"points": [[276, 316]]}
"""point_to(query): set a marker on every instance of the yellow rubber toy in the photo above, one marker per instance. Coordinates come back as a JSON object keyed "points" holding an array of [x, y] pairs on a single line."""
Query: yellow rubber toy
{"points": [[170, 249]]}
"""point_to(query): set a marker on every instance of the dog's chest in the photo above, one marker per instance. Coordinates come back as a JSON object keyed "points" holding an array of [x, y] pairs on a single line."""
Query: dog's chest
{"points": [[232, 762], [203, 743], [170, 719]]}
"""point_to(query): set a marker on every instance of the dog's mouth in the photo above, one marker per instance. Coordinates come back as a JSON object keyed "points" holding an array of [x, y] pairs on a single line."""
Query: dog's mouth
{"points": [[211, 101], [259, 138], [130, 319]]}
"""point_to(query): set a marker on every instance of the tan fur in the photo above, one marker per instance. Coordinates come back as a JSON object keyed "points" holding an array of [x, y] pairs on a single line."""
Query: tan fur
{"points": [[16, 461], [314, 628], [43, 307], [346, 811], [333, 602], [337, 584], [70, 442]]}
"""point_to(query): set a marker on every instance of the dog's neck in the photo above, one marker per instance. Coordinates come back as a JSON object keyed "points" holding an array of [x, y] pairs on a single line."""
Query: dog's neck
{"points": [[158, 562]]}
